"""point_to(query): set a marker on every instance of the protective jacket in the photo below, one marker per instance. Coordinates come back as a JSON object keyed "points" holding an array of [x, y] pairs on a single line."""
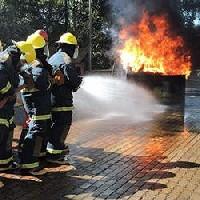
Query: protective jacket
{"points": [[62, 98], [9, 81]]}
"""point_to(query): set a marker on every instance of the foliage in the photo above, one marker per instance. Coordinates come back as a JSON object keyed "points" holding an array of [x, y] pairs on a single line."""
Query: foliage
{"points": [[19, 18]]}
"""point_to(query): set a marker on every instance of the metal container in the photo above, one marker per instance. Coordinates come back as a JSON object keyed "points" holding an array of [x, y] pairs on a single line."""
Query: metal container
{"points": [[168, 89]]}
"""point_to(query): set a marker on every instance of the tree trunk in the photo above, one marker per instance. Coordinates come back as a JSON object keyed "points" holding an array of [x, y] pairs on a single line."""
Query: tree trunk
{"points": [[66, 14]]}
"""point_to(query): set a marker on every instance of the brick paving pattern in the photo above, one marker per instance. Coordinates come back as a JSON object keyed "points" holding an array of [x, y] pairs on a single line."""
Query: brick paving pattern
{"points": [[155, 160]]}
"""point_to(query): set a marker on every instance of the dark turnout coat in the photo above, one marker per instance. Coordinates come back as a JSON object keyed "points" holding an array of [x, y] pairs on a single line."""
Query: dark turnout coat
{"points": [[62, 98]]}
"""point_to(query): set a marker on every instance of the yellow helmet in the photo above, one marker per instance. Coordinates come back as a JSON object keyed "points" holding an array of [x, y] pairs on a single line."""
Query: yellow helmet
{"points": [[43, 33], [36, 40], [68, 38], [27, 51]]}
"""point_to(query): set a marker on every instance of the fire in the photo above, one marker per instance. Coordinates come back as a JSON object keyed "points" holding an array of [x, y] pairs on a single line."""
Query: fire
{"points": [[150, 46]]}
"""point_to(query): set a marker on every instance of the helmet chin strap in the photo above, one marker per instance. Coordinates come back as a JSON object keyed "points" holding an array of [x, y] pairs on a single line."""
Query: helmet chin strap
{"points": [[46, 50]]}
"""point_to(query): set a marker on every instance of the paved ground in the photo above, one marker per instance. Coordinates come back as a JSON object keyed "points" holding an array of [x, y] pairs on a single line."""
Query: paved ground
{"points": [[153, 160]]}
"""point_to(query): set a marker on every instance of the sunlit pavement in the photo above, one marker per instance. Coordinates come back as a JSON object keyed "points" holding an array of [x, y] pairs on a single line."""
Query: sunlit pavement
{"points": [[158, 159]]}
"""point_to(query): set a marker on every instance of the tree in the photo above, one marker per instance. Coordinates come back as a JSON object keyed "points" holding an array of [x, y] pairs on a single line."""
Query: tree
{"points": [[20, 18]]}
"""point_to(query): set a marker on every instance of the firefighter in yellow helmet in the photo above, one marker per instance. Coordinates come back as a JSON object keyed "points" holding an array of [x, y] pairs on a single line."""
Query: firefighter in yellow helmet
{"points": [[9, 81], [39, 41], [44, 34], [40, 44], [66, 81], [37, 103]]}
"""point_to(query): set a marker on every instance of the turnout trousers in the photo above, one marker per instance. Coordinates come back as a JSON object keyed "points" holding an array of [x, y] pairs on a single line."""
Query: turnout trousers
{"points": [[61, 122], [38, 108], [6, 135]]}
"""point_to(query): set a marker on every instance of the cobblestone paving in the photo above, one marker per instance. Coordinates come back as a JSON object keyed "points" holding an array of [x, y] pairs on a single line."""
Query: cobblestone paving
{"points": [[155, 160]]}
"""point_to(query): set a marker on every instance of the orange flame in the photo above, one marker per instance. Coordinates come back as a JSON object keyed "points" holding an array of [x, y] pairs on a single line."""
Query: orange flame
{"points": [[149, 46]]}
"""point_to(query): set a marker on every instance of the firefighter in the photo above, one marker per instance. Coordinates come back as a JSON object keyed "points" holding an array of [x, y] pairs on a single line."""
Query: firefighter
{"points": [[44, 34], [66, 81], [9, 81], [37, 104], [39, 41]]}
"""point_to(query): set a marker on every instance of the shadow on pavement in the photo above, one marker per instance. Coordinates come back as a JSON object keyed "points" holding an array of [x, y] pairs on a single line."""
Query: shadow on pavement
{"points": [[99, 173]]}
